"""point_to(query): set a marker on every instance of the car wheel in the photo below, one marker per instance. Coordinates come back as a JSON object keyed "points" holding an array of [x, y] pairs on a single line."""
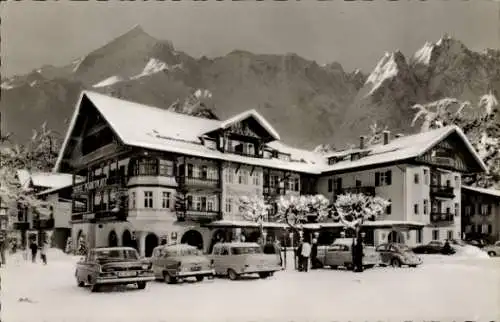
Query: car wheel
{"points": [[264, 274], [395, 262], [80, 283], [492, 254], [141, 285], [94, 287], [232, 274], [334, 266], [349, 267], [413, 266], [169, 279], [200, 278], [369, 266]]}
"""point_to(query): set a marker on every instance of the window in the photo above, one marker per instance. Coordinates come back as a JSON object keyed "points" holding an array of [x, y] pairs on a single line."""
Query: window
{"points": [[426, 176], [190, 170], [338, 184], [297, 184], [484, 228], [203, 203], [468, 210], [358, 183], [210, 204], [457, 209], [147, 167], [242, 177], [165, 200], [490, 229], [419, 236], [450, 234], [132, 200], [388, 210], [416, 178], [229, 202], [204, 172], [330, 185], [448, 183], [415, 208], [229, 175], [255, 178], [148, 199], [189, 202], [489, 208], [197, 203], [165, 168], [484, 210], [383, 178], [457, 181], [435, 234], [448, 210], [426, 205]]}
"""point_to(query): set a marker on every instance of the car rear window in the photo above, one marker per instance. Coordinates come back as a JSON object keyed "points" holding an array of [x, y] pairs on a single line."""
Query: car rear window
{"points": [[116, 254], [184, 252]]}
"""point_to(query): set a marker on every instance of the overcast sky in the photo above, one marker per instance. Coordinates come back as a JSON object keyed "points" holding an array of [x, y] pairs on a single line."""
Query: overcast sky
{"points": [[356, 34]]}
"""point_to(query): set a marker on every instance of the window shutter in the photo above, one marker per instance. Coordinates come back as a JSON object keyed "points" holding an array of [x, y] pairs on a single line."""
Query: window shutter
{"points": [[388, 175], [377, 179]]}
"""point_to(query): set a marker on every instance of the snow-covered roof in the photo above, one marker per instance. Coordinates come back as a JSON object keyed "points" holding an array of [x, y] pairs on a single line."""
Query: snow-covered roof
{"points": [[250, 113], [55, 189], [376, 223], [154, 128], [44, 179], [402, 148], [244, 223], [491, 192]]}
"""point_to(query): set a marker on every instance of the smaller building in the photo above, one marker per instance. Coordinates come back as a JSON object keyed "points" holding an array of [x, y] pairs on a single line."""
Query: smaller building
{"points": [[481, 213], [55, 217]]}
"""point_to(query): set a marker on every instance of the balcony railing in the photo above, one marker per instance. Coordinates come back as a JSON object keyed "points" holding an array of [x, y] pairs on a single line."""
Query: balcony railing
{"points": [[101, 215], [199, 215], [369, 191], [274, 191], [442, 191], [439, 217], [198, 181], [244, 153]]}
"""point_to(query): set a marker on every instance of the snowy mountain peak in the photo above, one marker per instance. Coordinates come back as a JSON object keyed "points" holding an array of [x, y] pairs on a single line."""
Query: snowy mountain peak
{"points": [[423, 55], [386, 68]]}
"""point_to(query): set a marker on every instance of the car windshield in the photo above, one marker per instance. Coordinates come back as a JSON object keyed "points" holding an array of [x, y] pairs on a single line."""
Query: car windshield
{"points": [[247, 250], [402, 248], [184, 252], [116, 254]]}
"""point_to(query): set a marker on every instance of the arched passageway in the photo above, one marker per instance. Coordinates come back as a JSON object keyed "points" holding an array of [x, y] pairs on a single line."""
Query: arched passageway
{"points": [[127, 239], [193, 238], [396, 237], [112, 239], [151, 242]]}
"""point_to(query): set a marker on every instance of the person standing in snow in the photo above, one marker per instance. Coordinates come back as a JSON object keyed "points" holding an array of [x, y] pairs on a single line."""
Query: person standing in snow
{"points": [[314, 254], [306, 253], [34, 250], [43, 252], [298, 255]]}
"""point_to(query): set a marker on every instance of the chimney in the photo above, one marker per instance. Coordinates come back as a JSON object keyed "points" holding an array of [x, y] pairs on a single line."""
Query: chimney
{"points": [[387, 135], [362, 142]]}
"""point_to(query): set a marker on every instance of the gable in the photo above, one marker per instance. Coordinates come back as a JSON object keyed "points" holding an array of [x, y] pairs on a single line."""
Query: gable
{"points": [[453, 153], [248, 127], [88, 132]]}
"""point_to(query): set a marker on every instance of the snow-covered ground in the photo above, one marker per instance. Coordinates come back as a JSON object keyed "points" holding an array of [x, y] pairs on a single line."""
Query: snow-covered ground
{"points": [[443, 288]]}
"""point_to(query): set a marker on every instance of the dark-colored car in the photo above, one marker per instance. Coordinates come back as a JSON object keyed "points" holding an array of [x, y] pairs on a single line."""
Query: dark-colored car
{"points": [[434, 247], [113, 266], [396, 255]]}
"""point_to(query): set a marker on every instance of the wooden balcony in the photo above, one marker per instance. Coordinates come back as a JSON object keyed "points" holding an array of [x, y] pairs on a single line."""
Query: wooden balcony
{"points": [[198, 182], [442, 191], [100, 215], [199, 215], [442, 217], [368, 191], [274, 191]]}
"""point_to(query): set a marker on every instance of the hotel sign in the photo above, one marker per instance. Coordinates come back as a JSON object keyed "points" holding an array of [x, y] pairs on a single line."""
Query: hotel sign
{"points": [[91, 185]]}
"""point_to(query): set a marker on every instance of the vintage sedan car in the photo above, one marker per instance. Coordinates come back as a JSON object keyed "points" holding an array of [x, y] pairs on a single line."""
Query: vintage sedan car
{"points": [[172, 263], [113, 266], [237, 259], [395, 254], [434, 247], [493, 250], [340, 254]]}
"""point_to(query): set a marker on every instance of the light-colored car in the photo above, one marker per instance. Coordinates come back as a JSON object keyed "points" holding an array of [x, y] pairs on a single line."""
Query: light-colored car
{"points": [[340, 254], [493, 250], [395, 254], [172, 263], [113, 266], [236, 259]]}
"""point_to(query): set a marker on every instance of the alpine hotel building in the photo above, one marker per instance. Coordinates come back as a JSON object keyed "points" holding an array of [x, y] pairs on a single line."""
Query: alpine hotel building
{"points": [[152, 174]]}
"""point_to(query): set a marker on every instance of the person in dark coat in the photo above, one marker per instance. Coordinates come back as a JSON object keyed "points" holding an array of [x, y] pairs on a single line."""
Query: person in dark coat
{"points": [[447, 250], [298, 255], [34, 250], [358, 251], [314, 255]]}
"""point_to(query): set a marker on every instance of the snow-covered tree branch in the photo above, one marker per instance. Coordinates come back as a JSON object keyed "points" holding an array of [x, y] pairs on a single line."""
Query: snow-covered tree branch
{"points": [[294, 210], [353, 209]]}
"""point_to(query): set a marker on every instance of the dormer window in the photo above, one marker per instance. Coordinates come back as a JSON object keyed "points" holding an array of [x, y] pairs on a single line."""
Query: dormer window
{"points": [[355, 156], [284, 156], [268, 154], [332, 160], [209, 143]]}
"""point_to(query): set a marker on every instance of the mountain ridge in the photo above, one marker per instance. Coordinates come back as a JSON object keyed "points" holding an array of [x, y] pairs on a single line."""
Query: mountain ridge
{"points": [[309, 104]]}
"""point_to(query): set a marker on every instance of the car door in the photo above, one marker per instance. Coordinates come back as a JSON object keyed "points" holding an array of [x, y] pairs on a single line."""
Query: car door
{"points": [[383, 251], [216, 257]]}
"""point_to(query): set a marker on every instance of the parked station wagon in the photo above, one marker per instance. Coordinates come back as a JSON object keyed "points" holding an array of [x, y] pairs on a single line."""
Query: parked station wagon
{"points": [[395, 254], [172, 263], [340, 254], [112, 266], [236, 259]]}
